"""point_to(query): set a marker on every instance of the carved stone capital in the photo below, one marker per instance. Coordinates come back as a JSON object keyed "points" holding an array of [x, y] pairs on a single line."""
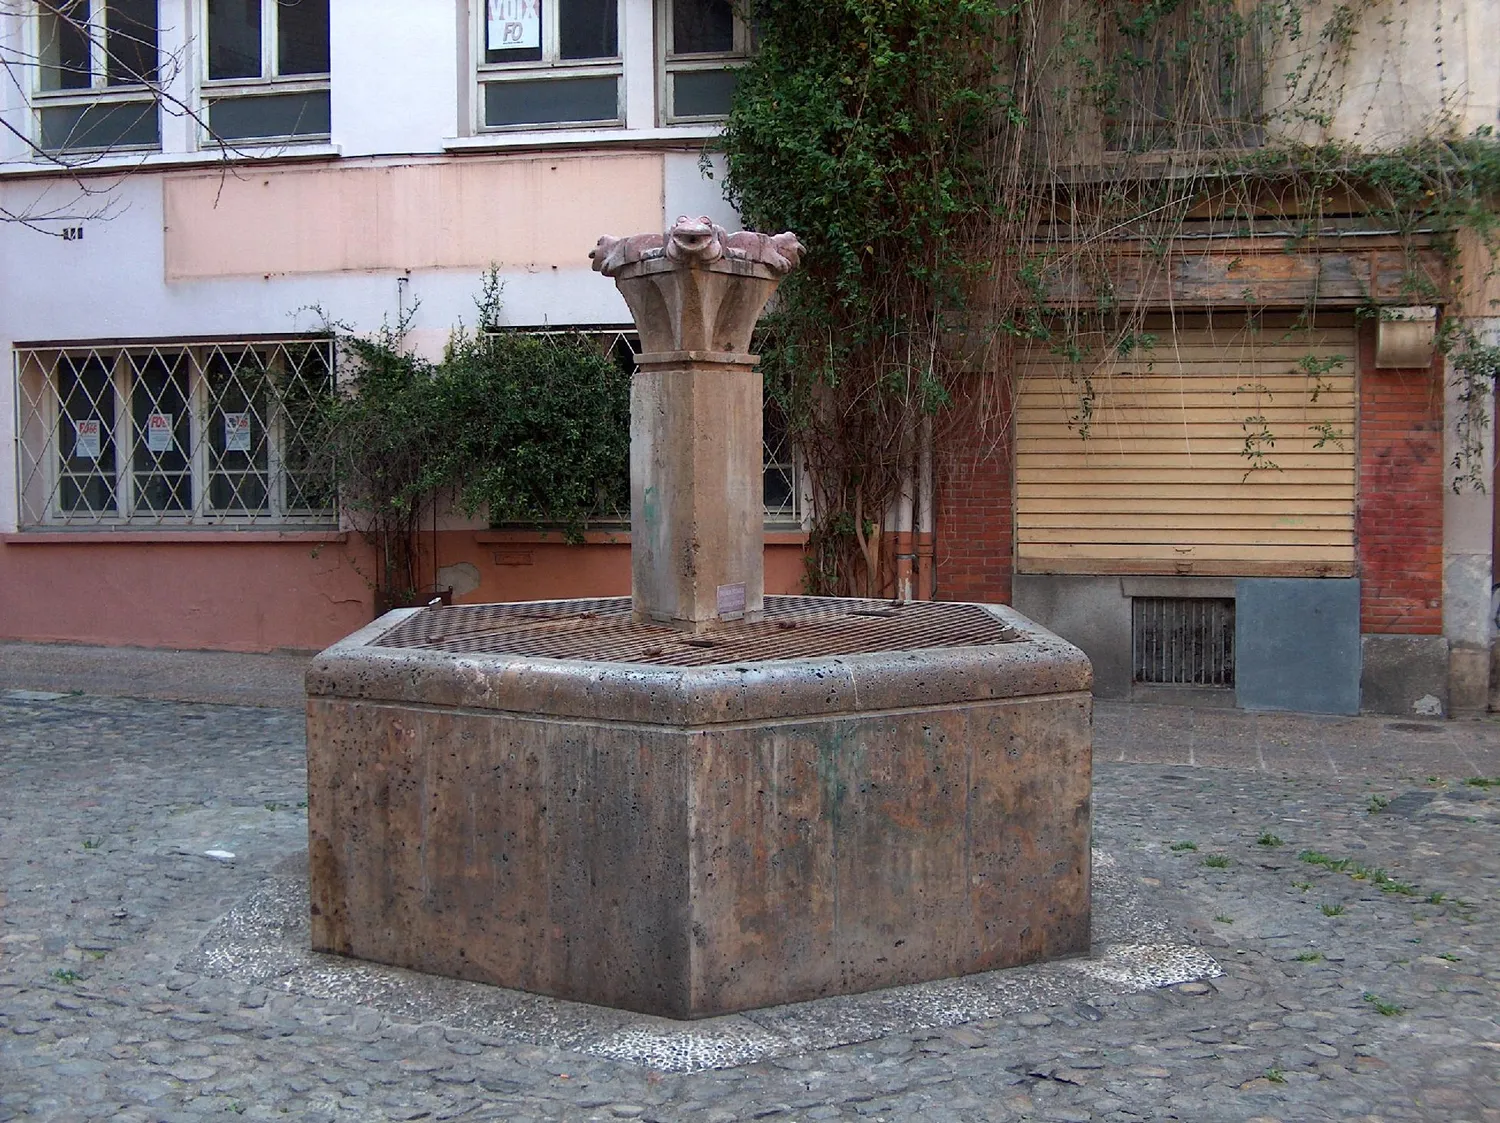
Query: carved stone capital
{"points": [[697, 288]]}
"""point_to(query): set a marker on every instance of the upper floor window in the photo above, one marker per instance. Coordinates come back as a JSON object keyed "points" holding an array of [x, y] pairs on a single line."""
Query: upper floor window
{"points": [[549, 62], [267, 70], [97, 74], [704, 44]]}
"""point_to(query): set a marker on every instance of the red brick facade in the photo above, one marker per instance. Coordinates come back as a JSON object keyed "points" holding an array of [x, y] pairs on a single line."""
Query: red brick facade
{"points": [[975, 513], [1399, 520]]}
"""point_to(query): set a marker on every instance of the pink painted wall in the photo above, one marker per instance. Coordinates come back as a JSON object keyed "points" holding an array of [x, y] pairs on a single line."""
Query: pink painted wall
{"points": [[238, 596], [254, 592], [514, 212]]}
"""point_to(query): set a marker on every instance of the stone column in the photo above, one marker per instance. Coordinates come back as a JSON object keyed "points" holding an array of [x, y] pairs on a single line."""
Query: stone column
{"points": [[697, 510]]}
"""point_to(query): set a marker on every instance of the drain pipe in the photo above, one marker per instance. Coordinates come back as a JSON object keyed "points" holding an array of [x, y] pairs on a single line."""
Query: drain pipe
{"points": [[904, 554], [926, 583]]}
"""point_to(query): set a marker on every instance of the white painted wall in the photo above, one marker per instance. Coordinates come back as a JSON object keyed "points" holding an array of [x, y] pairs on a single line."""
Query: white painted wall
{"points": [[692, 191], [13, 108], [395, 74]]}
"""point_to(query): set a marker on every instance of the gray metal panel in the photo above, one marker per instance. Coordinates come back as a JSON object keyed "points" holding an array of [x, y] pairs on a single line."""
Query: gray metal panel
{"points": [[1297, 644]]}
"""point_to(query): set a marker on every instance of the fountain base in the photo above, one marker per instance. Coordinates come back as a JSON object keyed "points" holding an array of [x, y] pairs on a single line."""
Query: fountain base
{"points": [[842, 796]]}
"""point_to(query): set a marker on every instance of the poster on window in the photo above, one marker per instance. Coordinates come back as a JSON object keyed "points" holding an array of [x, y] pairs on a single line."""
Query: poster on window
{"points": [[86, 436], [159, 432], [514, 24], [236, 432]]}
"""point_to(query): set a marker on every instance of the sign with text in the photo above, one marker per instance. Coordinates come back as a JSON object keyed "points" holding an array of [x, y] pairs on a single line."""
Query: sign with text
{"points": [[159, 432], [731, 601], [236, 432], [514, 24], [86, 438]]}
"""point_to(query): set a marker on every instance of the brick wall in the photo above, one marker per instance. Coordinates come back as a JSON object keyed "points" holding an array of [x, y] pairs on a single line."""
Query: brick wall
{"points": [[1399, 520], [975, 545]]}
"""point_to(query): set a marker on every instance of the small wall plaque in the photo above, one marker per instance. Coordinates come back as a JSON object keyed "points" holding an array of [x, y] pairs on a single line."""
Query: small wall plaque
{"points": [[512, 557], [731, 602]]}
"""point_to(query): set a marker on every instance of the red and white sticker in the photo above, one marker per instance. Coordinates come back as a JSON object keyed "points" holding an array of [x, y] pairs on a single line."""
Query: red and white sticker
{"points": [[159, 432], [236, 432], [87, 435]]}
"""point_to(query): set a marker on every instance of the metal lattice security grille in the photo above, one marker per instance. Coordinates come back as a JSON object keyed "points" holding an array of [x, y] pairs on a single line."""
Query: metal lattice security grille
{"points": [[1183, 641], [173, 434], [781, 475]]}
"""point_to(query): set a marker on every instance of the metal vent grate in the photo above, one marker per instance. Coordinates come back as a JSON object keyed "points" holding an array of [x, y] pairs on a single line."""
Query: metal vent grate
{"points": [[1183, 641], [602, 630]]}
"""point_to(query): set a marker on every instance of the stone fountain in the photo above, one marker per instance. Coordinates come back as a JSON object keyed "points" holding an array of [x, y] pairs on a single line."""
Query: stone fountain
{"points": [[699, 799]]}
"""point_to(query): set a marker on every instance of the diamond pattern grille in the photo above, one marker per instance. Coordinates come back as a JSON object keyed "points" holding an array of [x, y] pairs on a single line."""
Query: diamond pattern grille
{"points": [[173, 434]]}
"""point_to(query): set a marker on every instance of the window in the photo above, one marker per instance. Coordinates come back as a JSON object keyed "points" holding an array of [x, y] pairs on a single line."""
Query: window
{"points": [[97, 64], [549, 62], [194, 434], [1183, 78], [266, 70], [705, 41]]}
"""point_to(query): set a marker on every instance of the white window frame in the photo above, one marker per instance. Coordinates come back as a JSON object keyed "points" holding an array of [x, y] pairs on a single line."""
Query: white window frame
{"points": [[269, 82], [673, 63], [99, 90], [551, 65], [41, 466]]}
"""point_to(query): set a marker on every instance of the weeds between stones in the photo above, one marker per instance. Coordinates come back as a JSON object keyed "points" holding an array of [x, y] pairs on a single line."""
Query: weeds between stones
{"points": [[1216, 861]]}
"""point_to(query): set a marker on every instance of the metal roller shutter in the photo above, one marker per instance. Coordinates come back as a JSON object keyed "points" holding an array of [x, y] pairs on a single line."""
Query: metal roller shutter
{"points": [[1139, 464]]}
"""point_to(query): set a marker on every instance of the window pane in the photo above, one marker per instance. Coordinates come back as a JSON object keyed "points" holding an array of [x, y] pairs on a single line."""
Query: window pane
{"points": [[162, 432], [86, 435], [304, 389], [513, 31], [302, 36], [130, 124], [703, 93], [234, 38], [544, 101], [63, 44], [702, 26], [130, 41], [589, 28], [238, 444], [270, 115]]}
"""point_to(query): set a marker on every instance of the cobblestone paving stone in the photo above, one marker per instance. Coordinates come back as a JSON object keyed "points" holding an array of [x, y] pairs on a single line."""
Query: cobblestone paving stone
{"points": [[1346, 997]]}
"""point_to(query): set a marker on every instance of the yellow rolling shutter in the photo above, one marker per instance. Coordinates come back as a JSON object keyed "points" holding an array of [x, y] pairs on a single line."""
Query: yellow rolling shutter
{"points": [[1222, 449]]}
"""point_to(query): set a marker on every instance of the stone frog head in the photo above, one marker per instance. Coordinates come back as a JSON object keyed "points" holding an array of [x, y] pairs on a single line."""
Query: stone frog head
{"points": [[696, 241]]}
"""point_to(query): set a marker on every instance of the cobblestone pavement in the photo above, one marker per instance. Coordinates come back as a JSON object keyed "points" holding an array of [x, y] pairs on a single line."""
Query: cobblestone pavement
{"points": [[1342, 871]]}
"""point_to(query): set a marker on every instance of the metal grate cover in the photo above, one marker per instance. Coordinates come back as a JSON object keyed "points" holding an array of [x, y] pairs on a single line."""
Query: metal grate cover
{"points": [[1183, 641], [601, 631]]}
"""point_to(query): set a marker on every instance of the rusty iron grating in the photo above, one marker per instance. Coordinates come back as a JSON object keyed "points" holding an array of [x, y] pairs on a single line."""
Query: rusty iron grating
{"points": [[601, 630]]}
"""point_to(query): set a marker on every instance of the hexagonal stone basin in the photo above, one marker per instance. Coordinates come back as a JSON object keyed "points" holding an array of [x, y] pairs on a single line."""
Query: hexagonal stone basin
{"points": [[842, 796]]}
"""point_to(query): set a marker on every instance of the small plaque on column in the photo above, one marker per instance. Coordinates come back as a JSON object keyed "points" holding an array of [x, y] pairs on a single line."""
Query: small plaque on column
{"points": [[731, 602]]}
